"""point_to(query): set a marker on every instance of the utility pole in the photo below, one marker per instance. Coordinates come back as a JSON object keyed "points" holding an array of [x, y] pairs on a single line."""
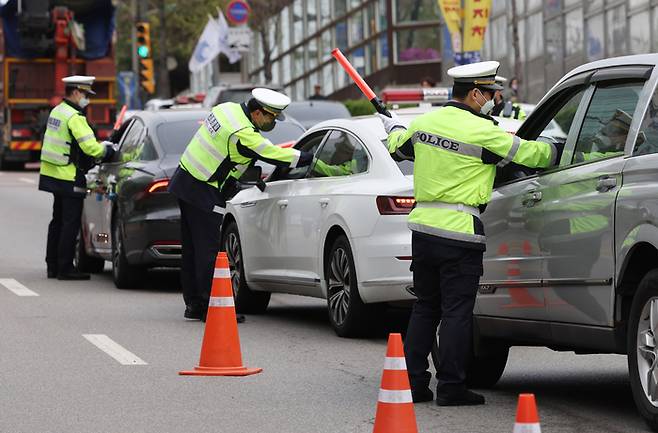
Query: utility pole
{"points": [[134, 12]]}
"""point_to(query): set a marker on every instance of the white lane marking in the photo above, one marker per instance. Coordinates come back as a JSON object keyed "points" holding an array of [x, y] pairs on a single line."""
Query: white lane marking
{"points": [[114, 349], [27, 180], [17, 287]]}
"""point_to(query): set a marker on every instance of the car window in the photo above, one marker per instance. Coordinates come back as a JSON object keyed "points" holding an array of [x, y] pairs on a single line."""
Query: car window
{"points": [[559, 126], [607, 121], [310, 144], [175, 136], [147, 151], [130, 145], [341, 155], [647, 138]]}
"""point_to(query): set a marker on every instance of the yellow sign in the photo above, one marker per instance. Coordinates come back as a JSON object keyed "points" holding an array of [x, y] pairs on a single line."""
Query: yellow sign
{"points": [[476, 18], [452, 14]]}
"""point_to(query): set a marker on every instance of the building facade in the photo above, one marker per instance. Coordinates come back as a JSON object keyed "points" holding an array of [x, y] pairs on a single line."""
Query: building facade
{"points": [[386, 40], [397, 42]]}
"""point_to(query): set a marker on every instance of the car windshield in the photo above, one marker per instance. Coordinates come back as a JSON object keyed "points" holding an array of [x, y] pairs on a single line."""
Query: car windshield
{"points": [[284, 132], [174, 136]]}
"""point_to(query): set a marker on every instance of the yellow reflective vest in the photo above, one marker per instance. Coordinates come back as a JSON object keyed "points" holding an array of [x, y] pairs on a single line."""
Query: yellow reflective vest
{"points": [[66, 124], [227, 143], [456, 152]]}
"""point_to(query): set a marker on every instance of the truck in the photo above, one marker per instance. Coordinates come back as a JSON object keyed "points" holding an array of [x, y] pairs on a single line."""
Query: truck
{"points": [[41, 42]]}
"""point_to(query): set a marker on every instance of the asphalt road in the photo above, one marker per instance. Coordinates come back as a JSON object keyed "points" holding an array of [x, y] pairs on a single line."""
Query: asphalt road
{"points": [[53, 379]]}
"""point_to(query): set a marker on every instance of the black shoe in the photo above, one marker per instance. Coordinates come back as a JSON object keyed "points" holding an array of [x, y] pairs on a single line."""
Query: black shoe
{"points": [[463, 397], [421, 395], [194, 312], [240, 318], [52, 274], [72, 276]]}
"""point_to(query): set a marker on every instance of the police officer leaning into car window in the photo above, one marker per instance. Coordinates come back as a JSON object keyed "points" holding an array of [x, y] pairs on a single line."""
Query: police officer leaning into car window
{"points": [[456, 149], [69, 149], [227, 143]]}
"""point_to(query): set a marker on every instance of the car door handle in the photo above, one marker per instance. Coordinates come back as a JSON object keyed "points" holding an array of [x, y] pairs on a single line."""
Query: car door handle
{"points": [[606, 184], [248, 204], [531, 198], [324, 202], [282, 204]]}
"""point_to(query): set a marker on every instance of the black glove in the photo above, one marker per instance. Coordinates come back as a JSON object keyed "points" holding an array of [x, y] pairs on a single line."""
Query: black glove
{"points": [[109, 153], [305, 158], [115, 136]]}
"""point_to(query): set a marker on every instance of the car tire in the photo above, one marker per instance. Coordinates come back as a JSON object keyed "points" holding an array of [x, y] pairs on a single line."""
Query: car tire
{"points": [[125, 275], [247, 301], [84, 262], [487, 362], [642, 341], [348, 314]]}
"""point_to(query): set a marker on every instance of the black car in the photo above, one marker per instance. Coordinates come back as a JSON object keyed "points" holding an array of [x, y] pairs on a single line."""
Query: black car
{"points": [[129, 217]]}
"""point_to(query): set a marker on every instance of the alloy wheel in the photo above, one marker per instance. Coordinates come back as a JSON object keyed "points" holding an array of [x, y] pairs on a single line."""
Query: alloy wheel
{"points": [[234, 260], [647, 350], [116, 251], [339, 287]]}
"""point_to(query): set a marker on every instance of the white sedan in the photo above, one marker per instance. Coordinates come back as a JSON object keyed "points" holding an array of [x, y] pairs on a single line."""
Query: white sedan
{"points": [[334, 230]]}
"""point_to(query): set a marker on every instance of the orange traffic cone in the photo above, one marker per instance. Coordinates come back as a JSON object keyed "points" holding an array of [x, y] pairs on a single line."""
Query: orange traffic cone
{"points": [[395, 407], [220, 351], [527, 420]]}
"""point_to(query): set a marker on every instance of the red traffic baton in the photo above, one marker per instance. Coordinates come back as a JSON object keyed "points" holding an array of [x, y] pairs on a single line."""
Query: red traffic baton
{"points": [[360, 82], [119, 121]]}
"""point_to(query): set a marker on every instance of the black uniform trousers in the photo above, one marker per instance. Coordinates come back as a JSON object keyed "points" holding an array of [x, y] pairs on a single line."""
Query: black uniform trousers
{"points": [[200, 243], [62, 232], [446, 278]]}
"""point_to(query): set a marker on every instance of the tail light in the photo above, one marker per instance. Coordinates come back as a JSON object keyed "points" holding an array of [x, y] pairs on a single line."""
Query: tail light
{"points": [[391, 205], [21, 133], [157, 186]]}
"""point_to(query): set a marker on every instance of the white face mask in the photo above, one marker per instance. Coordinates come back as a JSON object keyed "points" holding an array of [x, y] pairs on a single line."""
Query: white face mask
{"points": [[83, 102], [488, 106]]}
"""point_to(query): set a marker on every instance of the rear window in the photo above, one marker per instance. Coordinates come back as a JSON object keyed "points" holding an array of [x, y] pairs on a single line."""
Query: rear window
{"points": [[174, 136]]}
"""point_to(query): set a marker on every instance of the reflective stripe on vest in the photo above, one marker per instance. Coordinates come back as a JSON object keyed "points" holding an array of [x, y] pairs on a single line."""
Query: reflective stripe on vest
{"points": [[516, 142], [459, 207], [209, 146], [447, 144], [57, 140]]}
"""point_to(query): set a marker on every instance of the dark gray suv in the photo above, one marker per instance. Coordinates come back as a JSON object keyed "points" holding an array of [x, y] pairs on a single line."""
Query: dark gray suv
{"points": [[572, 254]]}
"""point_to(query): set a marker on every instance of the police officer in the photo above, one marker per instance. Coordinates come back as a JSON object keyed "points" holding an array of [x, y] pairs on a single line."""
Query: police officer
{"points": [[69, 149], [456, 150], [222, 149], [506, 108]]}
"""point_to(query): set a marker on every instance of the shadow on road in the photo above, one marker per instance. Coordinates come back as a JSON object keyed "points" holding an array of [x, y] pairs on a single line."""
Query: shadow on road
{"points": [[156, 280]]}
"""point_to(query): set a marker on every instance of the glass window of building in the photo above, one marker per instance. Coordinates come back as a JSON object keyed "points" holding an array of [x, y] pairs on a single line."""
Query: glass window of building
{"points": [[554, 41], [535, 31], [418, 44], [341, 77], [355, 4], [640, 30], [311, 17], [371, 58], [655, 28], [341, 35], [273, 40], [286, 69], [297, 21], [616, 31], [570, 3], [574, 32], [328, 78], [636, 4], [370, 17], [595, 41], [312, 52], [285, 29], [382, 51], [381, 13], [327, 45], [522, 41], [552, 7], [533, 5], [356, 28], [416, 10], [499, 37], [340, 8], [499, 6], [593, 5], [298, 62], [358, 60], [325, 12]]}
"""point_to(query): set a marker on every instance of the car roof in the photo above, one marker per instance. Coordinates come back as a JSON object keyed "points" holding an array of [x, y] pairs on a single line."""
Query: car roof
{"points": [[161, 116]]}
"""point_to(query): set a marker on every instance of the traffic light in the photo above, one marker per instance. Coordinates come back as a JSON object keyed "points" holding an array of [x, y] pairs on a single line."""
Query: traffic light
{"points": [[143, 40], [146, 75]]}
